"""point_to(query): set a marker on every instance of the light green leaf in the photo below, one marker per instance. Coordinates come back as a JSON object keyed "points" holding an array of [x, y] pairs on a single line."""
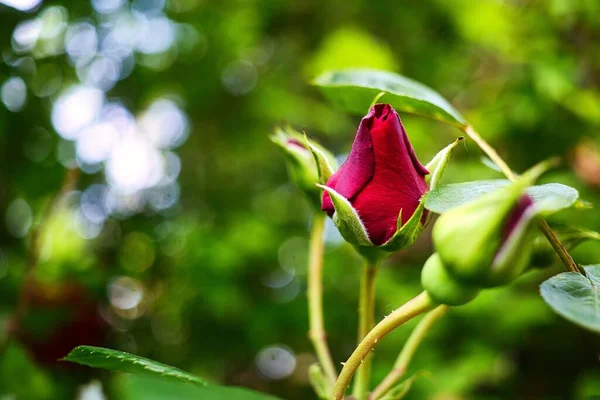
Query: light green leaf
{"points": [[355, 89], [113, 360], [135, 387], [347, 220], [548, 198], [553, 197], [575, 297]]}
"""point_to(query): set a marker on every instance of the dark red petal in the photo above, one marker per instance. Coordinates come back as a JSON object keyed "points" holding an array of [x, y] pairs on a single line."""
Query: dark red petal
{"points": [[358, 169]]}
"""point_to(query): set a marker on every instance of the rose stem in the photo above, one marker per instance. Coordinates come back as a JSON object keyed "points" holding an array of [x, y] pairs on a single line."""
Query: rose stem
{"points": [[366, 320], [418, 305], [558, 247], [316, 331], [408, 351]]}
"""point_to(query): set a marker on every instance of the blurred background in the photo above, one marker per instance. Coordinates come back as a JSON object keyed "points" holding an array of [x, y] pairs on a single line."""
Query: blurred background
{"points": [[143, 207]]}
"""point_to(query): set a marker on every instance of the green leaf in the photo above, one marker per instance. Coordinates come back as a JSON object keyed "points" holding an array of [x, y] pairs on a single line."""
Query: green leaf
{"points": [[355, 89], [114, 360], [575, 297], [135, 387], [553, 197], [548, 198]]}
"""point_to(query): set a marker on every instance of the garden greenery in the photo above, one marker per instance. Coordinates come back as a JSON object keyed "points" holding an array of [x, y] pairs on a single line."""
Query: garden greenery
{"points": [[381, 199]]}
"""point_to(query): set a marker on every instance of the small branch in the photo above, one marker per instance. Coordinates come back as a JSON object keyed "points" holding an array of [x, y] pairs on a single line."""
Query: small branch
{"points": [[366, 314], [508, 172], [558, 247], [408, 351], [316, 332], [418, 305]]}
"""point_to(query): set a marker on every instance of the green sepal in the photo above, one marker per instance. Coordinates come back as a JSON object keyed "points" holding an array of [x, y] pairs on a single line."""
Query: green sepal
{"points": [[408, 233], [514, 255], [319, 383], [325, 161], [442, 287], [347, 220], [438, 163]]}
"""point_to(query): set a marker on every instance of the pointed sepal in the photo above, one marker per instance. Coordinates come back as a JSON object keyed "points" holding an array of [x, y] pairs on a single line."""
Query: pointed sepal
{"points": [[408, 233], [326, 164], [437, 165], [347, 220]]}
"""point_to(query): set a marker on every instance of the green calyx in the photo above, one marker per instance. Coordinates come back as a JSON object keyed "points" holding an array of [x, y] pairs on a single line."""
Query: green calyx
{"points": [[304, 167]]}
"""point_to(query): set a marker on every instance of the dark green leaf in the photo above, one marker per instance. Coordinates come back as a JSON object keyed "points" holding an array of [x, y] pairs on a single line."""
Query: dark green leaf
{"points": [[114, 360], [355, 89], [135, 387], [548, 198], [575, 297]]}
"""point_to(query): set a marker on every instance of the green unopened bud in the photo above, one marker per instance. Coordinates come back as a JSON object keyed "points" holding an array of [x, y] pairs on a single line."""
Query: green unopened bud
{"points": [[487, 242], [442, 287], [303, 169]]}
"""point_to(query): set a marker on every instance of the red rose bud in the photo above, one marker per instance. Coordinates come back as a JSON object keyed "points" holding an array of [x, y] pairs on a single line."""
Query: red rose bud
{"points": [[308, 162], [382, 178]]}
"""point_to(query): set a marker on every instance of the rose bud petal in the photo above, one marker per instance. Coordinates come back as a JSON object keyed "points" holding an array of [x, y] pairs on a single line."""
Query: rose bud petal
{"points": [[381, 177], [307, 162]]}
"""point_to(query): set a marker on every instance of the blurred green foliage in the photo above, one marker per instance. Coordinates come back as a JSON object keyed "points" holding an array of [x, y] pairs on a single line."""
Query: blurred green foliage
{"points": [[211, 280]]}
